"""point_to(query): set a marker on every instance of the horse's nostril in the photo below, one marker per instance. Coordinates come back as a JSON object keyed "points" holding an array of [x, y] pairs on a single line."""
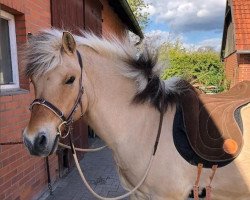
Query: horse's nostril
{"points": [[41, 142]]}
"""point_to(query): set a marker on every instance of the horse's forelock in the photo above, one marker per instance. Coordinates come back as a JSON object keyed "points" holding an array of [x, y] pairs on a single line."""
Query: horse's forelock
{"points": [[42, 52]]}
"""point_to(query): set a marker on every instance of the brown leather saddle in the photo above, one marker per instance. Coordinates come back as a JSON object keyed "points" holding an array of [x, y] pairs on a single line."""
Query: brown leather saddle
{"points": [[212, 124]]}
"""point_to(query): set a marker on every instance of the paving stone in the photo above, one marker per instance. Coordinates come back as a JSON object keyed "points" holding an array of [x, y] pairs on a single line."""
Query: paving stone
{"points": [[100, 172]]}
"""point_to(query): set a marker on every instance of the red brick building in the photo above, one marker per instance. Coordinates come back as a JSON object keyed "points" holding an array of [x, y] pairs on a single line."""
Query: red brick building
{"points": [[236, 41], [21, 175]]}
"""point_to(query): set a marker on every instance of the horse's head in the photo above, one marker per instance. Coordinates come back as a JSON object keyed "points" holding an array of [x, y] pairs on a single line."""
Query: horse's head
{"points": [[56, 72]]}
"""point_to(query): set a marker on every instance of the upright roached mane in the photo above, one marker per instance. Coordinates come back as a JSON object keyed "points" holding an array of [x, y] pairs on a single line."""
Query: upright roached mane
{"points": [[44, 52]]}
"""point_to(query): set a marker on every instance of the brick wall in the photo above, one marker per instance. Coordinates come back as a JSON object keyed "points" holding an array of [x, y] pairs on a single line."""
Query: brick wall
{"points": [[231, 65], [21, 175], [244, 72], [237, 68], [244, 67]]}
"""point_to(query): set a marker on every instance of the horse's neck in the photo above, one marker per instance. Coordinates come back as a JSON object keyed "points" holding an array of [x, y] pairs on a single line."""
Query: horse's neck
{"points": [[127, 128]]}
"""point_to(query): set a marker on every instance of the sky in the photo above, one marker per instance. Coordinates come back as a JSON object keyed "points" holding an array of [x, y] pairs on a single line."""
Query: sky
{"points": [[196, 22]]}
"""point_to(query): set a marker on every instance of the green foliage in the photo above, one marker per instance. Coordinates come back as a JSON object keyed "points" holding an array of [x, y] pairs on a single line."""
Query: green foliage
{"points": [[202, 66], [138, 7]]}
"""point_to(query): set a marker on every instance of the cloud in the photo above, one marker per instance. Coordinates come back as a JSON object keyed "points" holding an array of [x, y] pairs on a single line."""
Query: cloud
{"points": [[212, 42], [158, 35], [192, 15], [150, 10], [156, 38]]}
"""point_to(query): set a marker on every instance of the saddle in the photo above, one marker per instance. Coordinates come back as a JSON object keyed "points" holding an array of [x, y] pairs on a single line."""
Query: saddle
{"points": [[208, 128]]}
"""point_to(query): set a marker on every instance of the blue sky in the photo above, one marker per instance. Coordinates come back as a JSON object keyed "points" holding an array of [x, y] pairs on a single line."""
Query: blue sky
{"points": [[196, 22]]}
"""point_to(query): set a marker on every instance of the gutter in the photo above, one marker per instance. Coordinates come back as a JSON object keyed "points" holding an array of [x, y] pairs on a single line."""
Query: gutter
{"points": [[131, 15], [243, 51]]}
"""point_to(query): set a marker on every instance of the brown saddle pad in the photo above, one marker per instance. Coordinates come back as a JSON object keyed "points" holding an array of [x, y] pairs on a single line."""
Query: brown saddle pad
{"points": [[211, 126]]}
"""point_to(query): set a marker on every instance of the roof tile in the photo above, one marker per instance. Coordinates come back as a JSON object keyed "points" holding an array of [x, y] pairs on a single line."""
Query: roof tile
{"points": [[241, 12]]}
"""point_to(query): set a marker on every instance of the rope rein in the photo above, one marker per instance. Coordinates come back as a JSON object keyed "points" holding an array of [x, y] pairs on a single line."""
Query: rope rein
{"points": [[112, 198]]}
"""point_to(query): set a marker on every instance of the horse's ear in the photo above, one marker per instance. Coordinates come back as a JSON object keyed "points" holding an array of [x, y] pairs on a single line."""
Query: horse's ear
{"points": [[68, 43]]}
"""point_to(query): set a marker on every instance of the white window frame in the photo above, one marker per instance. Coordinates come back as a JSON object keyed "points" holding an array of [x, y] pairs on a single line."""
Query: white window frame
{"points": [[13, 50]]}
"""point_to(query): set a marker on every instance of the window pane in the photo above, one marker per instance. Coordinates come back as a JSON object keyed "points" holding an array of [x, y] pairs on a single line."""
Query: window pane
{"points": [[5, 54]]}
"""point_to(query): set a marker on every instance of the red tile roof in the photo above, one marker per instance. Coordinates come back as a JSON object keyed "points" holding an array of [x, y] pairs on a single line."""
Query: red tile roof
{"points": [[241, 19]]}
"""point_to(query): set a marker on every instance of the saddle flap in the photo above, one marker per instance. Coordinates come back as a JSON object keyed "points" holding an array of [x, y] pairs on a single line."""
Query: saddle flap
{"points": [[213, 129]]}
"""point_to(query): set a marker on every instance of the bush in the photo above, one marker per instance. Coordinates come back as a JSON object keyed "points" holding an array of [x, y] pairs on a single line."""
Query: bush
{"points": [[202, 66]]}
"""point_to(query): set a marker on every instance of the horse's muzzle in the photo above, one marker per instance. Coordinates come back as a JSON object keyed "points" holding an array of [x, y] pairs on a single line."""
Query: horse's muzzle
{"points": [[39, 146]]}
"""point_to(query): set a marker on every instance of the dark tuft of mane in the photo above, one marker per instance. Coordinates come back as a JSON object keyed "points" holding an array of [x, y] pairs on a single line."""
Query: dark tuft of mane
{"points": [[158, 95], [145, 63], [156, 91]]}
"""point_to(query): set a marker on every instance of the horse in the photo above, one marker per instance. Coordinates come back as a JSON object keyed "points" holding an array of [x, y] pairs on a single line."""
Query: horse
{"points": [[121, 99]]}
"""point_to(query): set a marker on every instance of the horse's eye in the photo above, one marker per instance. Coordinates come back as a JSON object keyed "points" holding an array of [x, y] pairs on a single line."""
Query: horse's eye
{"points": [[70, 80]]}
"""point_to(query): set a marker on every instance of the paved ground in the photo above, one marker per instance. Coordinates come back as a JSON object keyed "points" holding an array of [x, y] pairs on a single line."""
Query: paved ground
{"points": [[101, 174]]}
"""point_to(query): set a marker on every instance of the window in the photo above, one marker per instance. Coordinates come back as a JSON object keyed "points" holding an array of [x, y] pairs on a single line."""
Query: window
{"points": [[8, 52]]}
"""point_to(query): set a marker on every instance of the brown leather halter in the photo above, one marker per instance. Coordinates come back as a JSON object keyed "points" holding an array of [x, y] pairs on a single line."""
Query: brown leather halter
{"points": [[67, 121]]}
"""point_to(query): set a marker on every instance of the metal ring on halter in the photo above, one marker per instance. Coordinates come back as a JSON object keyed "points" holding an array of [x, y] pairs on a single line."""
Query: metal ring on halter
{"points": [[59, 130], [61, 116]]}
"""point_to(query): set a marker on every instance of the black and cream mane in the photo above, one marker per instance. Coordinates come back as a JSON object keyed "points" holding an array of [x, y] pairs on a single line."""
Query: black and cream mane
{"points": [[43, 53]]}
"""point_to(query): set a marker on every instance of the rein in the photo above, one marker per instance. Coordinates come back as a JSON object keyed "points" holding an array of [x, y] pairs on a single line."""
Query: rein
{"points": [[68, 121]]}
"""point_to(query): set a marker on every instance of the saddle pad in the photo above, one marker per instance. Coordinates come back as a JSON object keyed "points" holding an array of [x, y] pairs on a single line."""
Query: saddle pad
{"points": [[183, 146], [210, 122]]}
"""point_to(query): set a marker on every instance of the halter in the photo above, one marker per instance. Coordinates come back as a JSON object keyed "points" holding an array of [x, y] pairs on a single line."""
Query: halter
{"points": [[67, 121]]}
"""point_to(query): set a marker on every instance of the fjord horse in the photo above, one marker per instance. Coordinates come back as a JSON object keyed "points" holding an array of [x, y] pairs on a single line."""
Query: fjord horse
{"points": [[121, 99]]}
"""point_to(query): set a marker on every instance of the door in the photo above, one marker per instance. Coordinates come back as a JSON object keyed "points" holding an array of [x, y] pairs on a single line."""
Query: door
{"points": [[93, 16], [68, 15], [76, 15]]}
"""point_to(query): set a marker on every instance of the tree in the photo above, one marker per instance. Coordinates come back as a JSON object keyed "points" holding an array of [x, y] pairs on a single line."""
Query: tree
{"points": [[139, 9], [202, 66]]}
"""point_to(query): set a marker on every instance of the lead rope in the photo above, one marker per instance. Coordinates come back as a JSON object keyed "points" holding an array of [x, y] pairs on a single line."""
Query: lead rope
{"points": [[113, 198], [48, 175], [82, 150], [73, 149]]}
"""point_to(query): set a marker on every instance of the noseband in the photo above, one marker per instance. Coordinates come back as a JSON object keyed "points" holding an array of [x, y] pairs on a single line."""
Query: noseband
{"points": [[67, 121]]}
